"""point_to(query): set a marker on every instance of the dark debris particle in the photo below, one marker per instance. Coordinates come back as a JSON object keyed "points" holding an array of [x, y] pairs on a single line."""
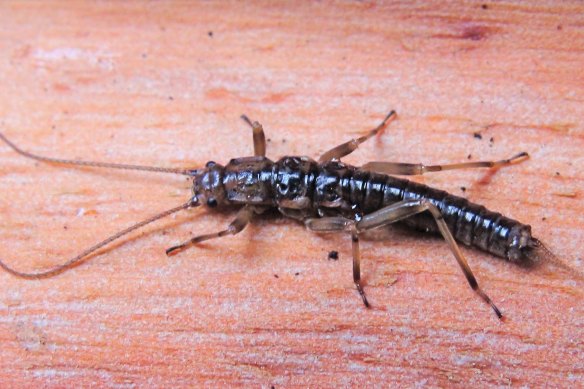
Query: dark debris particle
{"points": [[144, 55], [557, 173], [334, 255], [492, 140], [65, 227], [210, 33], [170, 98], [296, 274], [543, 219], [484, 6], [276, 276], [269, 140], [477, 135], [463, 188], [559, 27], [469, 156]]}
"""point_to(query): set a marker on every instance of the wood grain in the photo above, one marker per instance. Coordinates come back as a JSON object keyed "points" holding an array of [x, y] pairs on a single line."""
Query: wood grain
{"points": [[164, 83]]}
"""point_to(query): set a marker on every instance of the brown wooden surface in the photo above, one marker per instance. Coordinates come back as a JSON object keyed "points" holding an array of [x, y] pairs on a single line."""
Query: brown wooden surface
{"points": [[165, 83]]}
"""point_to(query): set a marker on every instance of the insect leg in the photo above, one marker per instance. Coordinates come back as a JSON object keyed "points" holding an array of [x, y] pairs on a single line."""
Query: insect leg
{"points": [[243, 217], [408, 208], [350, 146], [357, 266], [407, 169], [329, 224], [339, 224], [259, 138]]}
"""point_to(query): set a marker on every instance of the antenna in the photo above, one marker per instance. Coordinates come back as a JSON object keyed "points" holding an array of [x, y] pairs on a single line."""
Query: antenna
{"points": [[93, 164], [84, 254]]}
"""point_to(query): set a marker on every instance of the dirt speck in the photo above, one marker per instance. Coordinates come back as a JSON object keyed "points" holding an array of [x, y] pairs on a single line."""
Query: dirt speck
{"points": [[334, 255]]}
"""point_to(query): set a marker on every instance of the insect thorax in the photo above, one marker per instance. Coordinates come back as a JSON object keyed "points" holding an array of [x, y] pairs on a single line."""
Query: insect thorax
{"points": [[248, 180], [287, 183]]}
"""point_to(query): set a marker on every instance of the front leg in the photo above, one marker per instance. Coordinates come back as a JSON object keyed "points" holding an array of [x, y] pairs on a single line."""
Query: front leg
{"points": [[242, 219], [259, 138]]}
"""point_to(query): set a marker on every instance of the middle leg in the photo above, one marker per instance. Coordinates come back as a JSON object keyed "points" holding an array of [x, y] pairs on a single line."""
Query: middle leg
{"points": [[350, 146], [340, 224]]}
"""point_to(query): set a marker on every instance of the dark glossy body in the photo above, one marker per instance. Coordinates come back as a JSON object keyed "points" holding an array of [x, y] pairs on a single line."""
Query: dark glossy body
{"points": [[301, 188]]}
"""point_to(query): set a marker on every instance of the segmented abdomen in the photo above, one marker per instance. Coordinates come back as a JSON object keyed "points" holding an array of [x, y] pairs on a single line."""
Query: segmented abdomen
{"points": [[470, 223]]}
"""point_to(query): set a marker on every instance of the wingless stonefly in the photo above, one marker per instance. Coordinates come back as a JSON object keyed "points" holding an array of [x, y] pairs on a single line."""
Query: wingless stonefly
{"points": [[330, 196]]}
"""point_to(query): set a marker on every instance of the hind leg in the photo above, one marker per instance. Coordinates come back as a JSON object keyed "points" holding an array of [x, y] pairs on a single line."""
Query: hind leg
{"points": [[407, 169], [391, 214]]}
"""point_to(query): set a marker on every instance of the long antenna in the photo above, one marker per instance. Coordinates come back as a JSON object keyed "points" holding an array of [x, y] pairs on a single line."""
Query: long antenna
{"points": [[84, 254], [93, 164]]}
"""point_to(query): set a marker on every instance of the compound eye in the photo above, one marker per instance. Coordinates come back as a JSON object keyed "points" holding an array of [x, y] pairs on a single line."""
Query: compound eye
{"points": [[210, 164], [211, 202]]}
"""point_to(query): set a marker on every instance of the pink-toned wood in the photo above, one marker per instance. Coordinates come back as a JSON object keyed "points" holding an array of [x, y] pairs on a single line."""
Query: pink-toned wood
{"points": [[164, 83]]}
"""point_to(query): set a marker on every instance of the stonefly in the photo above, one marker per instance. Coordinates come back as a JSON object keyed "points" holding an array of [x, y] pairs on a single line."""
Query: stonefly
{"points": [[330, 196]]}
